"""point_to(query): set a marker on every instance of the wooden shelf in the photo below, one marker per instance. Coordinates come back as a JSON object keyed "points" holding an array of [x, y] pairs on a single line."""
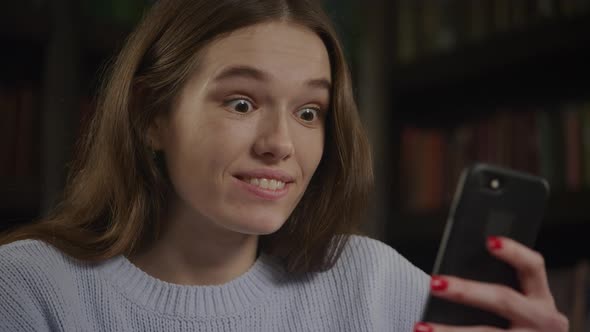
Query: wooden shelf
{"points": [[562, 239], [19, 199], [536, 66], [553, 38], [560, 246], [33, 29], [562, 208], [21, 22], [538, 63]]}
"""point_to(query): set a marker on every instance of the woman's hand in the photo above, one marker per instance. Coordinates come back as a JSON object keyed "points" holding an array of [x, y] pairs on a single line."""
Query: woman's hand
{"points": [[532, 310]]}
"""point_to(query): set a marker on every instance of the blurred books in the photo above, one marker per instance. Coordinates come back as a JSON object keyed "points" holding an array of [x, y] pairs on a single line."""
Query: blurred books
{"points": [[553, 142], [437, 26], [571, 290]]}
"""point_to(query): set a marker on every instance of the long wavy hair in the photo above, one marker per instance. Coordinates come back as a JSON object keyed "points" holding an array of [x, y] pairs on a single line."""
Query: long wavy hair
{"points": [[116, 193]]}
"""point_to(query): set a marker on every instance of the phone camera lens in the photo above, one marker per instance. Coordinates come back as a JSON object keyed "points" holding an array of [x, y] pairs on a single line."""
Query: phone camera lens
{"points": [[495, 184]]}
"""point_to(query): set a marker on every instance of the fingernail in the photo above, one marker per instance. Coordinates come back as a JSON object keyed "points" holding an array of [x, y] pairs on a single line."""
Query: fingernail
{"points": [[438, 284], [494, 243], [422, 327]]}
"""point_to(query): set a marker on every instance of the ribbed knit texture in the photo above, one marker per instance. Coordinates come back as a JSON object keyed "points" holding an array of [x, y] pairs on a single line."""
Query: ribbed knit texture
{"points": [[371, 288]]}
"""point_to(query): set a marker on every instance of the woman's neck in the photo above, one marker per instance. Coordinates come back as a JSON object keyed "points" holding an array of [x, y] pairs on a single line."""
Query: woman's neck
{"points": [[192, 252]]}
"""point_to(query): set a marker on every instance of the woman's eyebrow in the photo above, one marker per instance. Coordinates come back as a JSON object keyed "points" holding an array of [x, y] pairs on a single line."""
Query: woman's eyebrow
{"points": [[242, 72], [321, 83], [253, 73]]}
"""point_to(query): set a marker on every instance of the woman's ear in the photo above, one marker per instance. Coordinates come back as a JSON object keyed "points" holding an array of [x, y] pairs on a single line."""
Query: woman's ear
{"points": [[156, 133]]}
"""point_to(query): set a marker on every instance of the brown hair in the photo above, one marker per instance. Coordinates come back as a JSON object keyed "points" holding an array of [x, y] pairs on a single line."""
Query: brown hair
{"points": [[116, 193]]}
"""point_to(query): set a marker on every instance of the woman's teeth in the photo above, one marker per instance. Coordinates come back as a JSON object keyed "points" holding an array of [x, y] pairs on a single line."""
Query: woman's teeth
{"points": [[267, 184]]}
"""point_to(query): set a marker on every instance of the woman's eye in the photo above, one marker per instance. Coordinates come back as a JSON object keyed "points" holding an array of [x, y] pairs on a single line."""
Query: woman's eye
{"points": [[240, 105], [308, 114]]}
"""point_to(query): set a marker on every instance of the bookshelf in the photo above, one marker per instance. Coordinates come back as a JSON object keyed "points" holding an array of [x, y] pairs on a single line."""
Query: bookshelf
{"points": [[469, 77], [532, 63], [538, 47], [53, 53], [563, 239], [511, 78], [439, 64], [20, 200]]}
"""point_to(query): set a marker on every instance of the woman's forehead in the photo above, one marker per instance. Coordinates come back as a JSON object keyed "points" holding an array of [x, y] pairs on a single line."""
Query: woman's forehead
{"points": [[278, 50]]}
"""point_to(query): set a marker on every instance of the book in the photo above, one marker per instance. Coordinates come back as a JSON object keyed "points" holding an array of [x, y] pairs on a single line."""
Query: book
{"points": [[519, 13], [579, 308], [483, 141], [501, 15], [545, 9], [460, 145], [558, 148], [25, 133], [570, 288], [560, 284], [585, 132], [8, 132], [503, 137], [429, 13], [406, 31], [572, 136], [530, 143], [567, 7], [408, 164], [545, 138], [434, 170], [447, 36], [479, 14]]}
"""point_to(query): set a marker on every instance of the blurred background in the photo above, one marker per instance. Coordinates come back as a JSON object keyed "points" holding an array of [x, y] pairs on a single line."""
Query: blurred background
{"points": [[440, 84]]}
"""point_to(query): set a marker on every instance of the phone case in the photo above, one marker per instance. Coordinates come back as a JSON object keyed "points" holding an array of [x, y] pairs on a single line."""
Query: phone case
{"points": [[489, 201]]}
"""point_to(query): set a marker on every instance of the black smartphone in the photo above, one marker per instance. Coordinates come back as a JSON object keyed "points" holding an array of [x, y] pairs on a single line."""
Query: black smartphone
{"points": [[489, 201]]}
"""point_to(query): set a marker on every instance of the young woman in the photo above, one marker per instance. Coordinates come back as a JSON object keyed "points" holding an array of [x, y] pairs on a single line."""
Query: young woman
{"points": [[219, 188]]}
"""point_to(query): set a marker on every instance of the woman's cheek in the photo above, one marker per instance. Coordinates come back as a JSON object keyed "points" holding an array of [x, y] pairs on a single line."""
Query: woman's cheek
{"points": [[310, 148]]}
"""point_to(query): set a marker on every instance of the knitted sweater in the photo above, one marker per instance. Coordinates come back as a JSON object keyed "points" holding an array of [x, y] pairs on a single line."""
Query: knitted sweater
{"points": [[370, 288]]}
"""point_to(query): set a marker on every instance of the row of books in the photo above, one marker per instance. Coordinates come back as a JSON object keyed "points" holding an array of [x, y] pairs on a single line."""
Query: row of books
{"points": [[570, 287], [127, 12], [20, 129], [430, 27], [552, 142]]}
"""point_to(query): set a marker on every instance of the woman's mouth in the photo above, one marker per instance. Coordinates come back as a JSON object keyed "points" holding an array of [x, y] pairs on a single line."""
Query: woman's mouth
{"points": [[265, 188], [268, 184]]}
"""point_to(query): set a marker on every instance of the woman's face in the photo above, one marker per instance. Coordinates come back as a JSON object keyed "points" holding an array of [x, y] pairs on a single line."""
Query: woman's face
{"points": [[247, 132]]}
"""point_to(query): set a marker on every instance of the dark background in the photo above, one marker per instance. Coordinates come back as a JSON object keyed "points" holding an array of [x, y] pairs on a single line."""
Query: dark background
{"points": [[440, 84]]}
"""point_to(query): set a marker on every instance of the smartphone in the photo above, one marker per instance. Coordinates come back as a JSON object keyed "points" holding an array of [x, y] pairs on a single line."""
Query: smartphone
{"points": [[489, 200]]}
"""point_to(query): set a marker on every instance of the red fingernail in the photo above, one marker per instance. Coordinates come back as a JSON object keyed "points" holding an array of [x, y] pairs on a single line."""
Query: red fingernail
{"points": [[438, 284], [422, 327], [494, 243]]}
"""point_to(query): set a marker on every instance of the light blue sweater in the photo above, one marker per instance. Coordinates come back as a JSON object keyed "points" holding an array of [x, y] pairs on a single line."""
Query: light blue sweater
{"points": [[371, 288]]}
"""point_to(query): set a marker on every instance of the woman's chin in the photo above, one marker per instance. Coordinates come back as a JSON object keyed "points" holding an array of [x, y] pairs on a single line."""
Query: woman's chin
{"points": [[258, 226]]}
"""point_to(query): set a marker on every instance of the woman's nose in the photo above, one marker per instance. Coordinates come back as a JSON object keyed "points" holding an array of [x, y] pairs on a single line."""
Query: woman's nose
{"points": [[274, 141]]}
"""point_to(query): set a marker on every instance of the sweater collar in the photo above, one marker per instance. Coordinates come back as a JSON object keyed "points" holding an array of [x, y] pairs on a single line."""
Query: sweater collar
{"points": [[233, 297]]}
